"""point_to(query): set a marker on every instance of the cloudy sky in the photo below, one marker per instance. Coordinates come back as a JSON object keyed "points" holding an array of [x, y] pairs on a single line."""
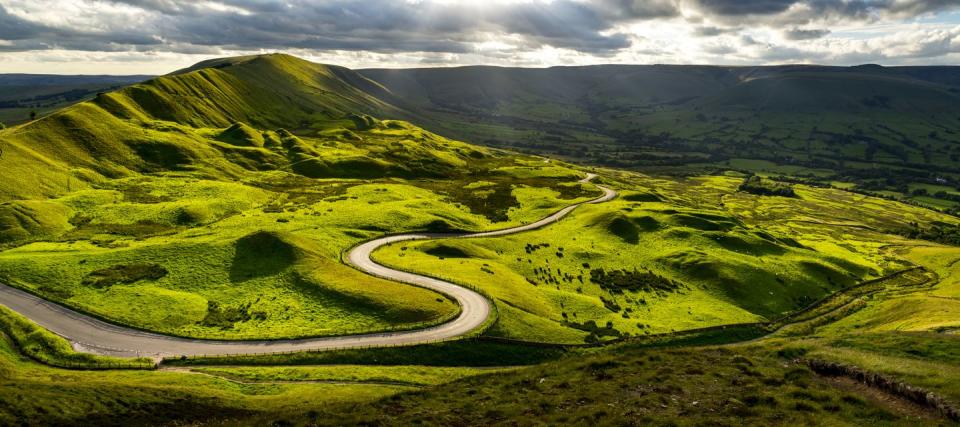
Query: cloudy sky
{"points": [[158, 36]]}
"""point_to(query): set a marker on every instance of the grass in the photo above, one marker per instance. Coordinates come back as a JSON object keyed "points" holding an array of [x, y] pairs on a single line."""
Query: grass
{"points": [[265, 252], [397, 375], [226, 215], [921, 359], [42, 395], [206, 217], [40, 345], [753, 258], [711, 386], [463, 353], [878, 130]]}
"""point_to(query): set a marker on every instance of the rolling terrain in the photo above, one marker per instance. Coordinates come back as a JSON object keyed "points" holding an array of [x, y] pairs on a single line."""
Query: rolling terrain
{"points": [[266, 201], [890, 131], [151, 198]]}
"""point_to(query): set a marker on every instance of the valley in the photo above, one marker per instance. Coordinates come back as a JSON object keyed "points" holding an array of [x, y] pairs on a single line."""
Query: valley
{"points": [[263, 240]]}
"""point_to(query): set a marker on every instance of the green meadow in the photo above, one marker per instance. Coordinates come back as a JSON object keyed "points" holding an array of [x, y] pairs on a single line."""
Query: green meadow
{"points": [[669, 255], [256, 258], [162, 214]]}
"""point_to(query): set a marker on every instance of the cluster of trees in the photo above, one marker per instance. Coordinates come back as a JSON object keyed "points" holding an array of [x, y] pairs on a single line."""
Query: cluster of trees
{"points": [[620, 280], [945, 234], [765, 187]]}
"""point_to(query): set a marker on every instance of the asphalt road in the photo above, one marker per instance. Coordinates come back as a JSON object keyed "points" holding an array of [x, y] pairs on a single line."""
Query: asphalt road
{"points": [[91, 335]]}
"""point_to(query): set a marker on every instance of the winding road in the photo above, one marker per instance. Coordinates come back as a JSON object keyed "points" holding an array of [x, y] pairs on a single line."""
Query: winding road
{"points": [[91, 335]]}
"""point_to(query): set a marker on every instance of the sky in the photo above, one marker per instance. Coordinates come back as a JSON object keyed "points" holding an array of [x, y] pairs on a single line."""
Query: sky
{"points": [[160, 36]]}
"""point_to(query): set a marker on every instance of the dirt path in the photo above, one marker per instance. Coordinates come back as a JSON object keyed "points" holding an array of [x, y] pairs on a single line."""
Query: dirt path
{"points": [[889, 401], [91, 335]]}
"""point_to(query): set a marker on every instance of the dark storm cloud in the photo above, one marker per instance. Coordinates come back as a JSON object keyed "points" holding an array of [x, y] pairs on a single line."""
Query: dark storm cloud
{"points": [[810, 9], [916, 7], [371, 25], [22, 35], [746, 7], [15, 28], [802, 34], [388, 26], [636, 9]]}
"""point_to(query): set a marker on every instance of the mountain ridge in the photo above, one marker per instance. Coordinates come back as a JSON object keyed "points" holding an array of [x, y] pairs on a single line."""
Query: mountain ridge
{"points": [[171, 123]]}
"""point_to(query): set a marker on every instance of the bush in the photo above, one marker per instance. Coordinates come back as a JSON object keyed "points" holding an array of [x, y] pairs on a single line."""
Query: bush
{"points": [[764, 187], [620, 280], [127, 273]]}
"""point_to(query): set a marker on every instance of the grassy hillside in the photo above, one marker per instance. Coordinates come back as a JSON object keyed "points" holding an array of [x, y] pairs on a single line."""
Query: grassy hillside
{"points": [[888, 131], [216, 201], [674, 254]]}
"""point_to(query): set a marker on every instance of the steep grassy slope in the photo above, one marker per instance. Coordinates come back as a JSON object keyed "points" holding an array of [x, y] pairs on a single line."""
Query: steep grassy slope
{"points": [[159, 124]]}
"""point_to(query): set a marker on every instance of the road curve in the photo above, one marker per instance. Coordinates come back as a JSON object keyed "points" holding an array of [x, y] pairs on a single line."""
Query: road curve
{"points": [[91, 335]]}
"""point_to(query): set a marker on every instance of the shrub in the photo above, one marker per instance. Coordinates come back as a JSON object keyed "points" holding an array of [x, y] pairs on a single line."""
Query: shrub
{"points": [[620, 280], [764, 187], [126, 273]]}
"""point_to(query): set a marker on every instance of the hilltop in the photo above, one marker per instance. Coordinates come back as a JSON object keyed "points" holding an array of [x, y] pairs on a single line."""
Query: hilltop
{"points": [[220, 118]]}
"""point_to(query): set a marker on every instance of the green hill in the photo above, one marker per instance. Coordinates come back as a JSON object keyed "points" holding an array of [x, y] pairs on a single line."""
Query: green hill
{"points": [[219, 119], [140, 206]]}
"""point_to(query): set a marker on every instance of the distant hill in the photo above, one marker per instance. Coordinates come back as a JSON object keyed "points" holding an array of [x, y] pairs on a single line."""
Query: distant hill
{"points": [[894, 130], [22, 93]]}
